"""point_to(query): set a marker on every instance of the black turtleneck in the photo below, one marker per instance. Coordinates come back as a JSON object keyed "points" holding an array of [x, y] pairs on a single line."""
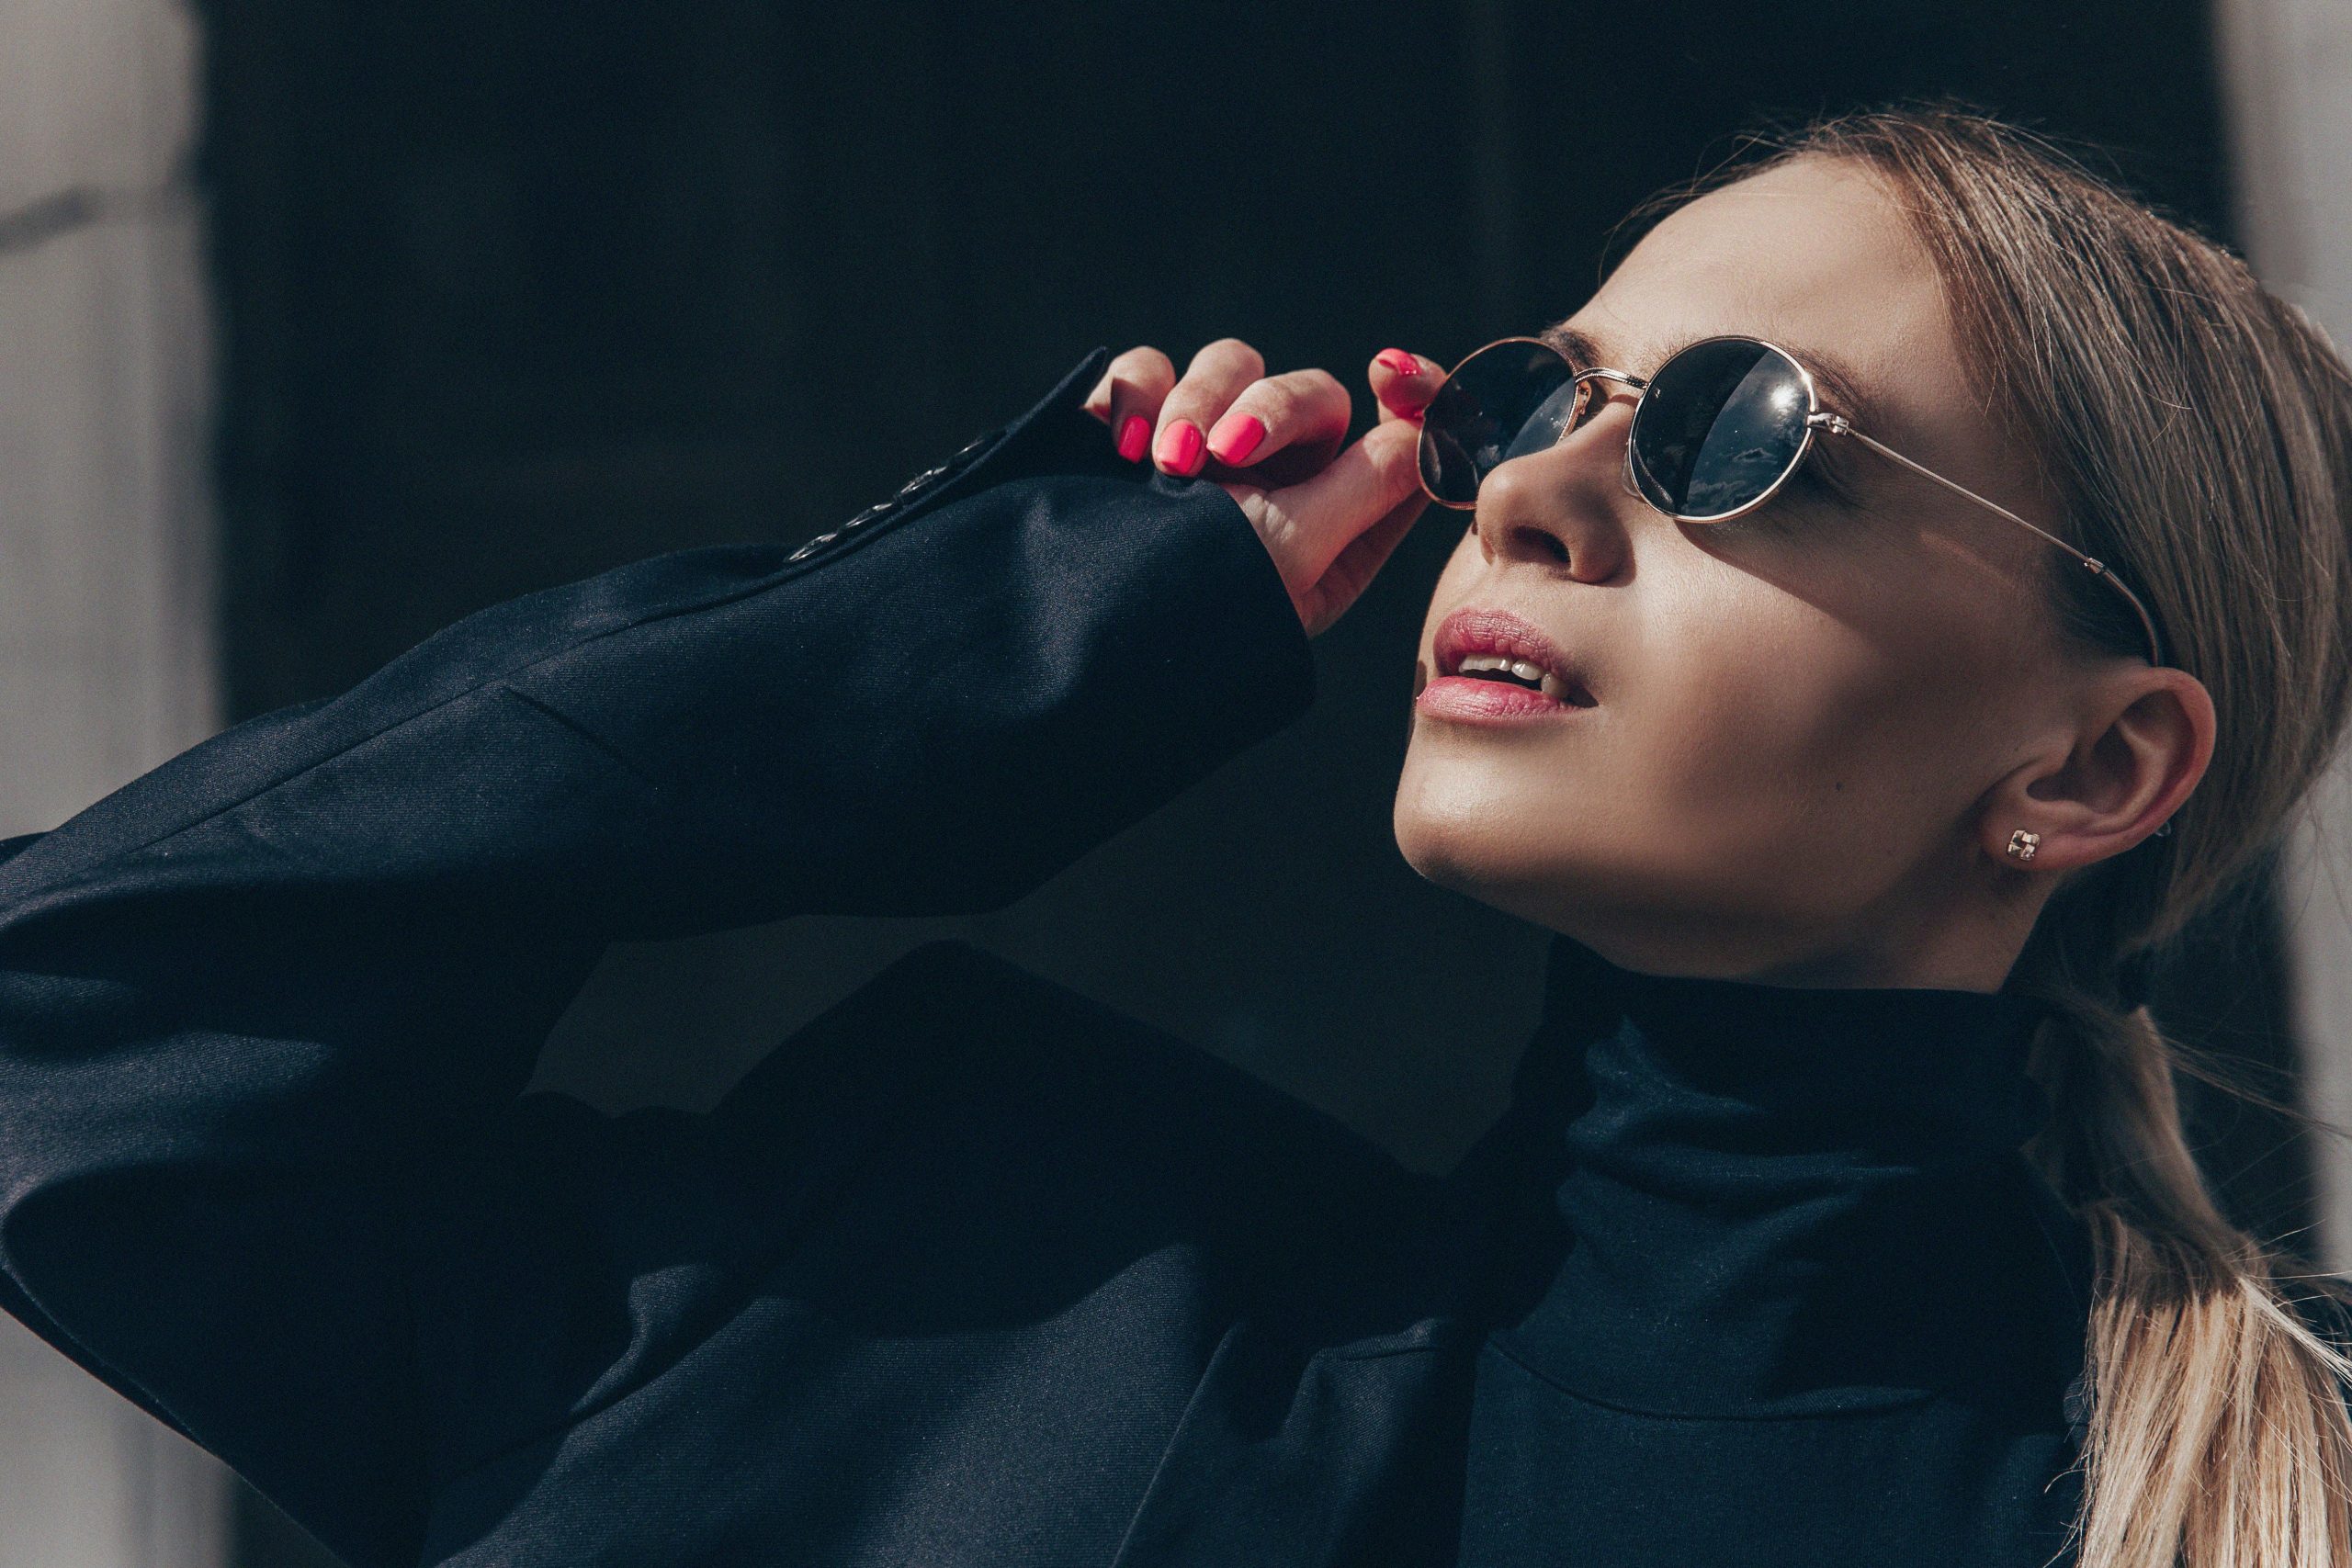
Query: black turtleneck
{"points": [[1806, 1303]]}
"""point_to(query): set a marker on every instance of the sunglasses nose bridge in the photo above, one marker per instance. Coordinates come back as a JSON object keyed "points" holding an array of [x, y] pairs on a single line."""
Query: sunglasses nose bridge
{"points": [[1597, 389], [1455, 429], [1601, 388], [1580, 428], [1604, 385]]}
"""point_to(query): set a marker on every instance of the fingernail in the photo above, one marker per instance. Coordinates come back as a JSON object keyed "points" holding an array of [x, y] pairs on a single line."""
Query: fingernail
{"points": [[1400, 361], [1133, 436], [1180, 447], [1234, 439]]}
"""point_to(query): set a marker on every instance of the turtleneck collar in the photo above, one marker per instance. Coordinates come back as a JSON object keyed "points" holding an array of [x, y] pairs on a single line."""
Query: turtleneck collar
{"points": [[1773, 1200]]}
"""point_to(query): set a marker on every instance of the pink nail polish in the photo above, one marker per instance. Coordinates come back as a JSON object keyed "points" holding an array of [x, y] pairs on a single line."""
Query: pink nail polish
{"points": [[1133, 436], [1180, 447], [1235, 439], [1400, 361]]}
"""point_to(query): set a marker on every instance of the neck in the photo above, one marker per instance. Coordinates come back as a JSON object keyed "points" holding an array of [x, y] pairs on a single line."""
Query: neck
{"points": [[1963, 938], [1784, 1200]]}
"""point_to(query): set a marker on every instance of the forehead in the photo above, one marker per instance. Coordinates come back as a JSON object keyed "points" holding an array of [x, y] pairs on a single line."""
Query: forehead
{"points": [[1814, 255]]}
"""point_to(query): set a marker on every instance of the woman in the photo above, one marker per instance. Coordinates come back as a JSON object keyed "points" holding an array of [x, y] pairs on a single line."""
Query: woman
{"points": [[1857, 711]]}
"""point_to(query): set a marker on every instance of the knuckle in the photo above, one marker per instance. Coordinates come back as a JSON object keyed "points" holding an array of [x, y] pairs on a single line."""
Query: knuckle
{"points": [[1231, 357], [1321, 385], [1399, 455], [1312, 394], [1272, 399], [1193, 398], [1143, 366]]}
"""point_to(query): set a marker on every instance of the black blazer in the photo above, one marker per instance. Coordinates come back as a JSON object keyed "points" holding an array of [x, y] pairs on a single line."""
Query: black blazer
{"points": [[970, 1271]]}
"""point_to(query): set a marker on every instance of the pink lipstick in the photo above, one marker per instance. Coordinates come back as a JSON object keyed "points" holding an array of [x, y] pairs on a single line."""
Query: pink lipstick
{"points": [[1493, 667]]}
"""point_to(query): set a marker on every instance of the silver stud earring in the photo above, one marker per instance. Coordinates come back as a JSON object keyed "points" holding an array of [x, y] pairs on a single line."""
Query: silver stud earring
{"points": [[2022, 844]]}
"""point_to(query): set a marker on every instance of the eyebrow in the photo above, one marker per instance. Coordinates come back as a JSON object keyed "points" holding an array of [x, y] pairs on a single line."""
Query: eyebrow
{"points": [[1841, 390]]}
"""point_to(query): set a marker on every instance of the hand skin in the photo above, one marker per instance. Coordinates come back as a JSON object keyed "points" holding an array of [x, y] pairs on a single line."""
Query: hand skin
{"points": [[1329, 515]]}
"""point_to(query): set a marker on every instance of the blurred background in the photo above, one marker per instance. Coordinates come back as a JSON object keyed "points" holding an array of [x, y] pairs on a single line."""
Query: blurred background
{"points": [[323, 323]]}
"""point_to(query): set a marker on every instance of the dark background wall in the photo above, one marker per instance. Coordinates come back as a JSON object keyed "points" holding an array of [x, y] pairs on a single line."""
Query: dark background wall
{"points": [[517, 291]]}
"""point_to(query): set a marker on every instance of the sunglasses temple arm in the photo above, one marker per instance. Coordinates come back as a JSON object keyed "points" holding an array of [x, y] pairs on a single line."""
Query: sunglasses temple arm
{"points": [[1836, 424]]}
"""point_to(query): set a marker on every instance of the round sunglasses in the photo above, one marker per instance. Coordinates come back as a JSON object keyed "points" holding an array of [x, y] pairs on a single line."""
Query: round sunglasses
{"points": [[1716, 432]]}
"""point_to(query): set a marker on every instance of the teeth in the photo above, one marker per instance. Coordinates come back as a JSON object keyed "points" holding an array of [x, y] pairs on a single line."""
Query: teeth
{"points": [[1522, 668], [1551, 685]]}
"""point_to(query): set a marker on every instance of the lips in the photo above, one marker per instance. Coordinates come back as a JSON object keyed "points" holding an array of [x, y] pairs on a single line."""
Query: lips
{"points": [[1482, 636]]}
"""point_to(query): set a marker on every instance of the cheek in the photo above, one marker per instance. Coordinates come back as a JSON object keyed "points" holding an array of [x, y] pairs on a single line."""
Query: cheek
{"points": [[1766, 730], [1860, 711], [1751, 751]]}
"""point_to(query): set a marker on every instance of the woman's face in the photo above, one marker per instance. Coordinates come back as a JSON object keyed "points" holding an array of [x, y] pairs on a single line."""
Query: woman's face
{"points": [[1795, 714]]}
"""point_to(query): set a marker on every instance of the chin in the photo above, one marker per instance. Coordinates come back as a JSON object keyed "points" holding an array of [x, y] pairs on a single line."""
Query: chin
{"points": [[1469, 830], [1462, 842]]}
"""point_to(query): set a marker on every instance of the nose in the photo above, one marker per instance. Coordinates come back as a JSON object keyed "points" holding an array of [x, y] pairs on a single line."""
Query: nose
{"points": [[1561, 508]]}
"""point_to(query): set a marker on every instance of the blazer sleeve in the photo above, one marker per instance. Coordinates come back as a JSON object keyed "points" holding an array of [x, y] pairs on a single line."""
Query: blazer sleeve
{"points": [[266, 1012]]}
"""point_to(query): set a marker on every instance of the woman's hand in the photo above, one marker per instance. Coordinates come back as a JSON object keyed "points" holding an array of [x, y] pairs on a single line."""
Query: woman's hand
{"points": [[1329, 517]]}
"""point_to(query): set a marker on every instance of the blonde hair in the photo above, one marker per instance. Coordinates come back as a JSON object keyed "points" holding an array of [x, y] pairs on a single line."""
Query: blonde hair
{"points": [[2198, 433]]}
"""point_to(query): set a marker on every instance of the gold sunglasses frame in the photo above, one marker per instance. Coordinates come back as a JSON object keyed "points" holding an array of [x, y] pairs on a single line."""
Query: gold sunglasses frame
{"points": [[1817, 420]]}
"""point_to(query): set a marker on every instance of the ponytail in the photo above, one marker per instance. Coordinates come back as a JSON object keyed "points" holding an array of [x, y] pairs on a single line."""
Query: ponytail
{"points": [[2217, 1431]]}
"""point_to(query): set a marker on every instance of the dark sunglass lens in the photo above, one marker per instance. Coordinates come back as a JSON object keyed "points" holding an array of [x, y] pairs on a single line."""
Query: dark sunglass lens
{"points": [[1505, 399], [1720, 424]]}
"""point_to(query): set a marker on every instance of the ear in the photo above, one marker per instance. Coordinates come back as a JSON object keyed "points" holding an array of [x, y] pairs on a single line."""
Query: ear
{"points": [[2140, 742]]}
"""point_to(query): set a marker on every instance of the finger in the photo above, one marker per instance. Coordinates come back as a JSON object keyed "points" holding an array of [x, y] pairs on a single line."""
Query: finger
{"points": [[1298, 408], [1309, 524], [1216, 377], [1128, 397], [1403, 382], [1351, 571]]}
